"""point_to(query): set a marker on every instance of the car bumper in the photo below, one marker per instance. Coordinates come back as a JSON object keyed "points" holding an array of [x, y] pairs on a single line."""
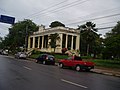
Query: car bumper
{"points": [[87, 67]]}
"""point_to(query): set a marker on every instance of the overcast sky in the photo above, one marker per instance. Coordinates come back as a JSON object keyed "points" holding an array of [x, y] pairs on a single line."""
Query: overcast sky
{"points": [[104, 13]]}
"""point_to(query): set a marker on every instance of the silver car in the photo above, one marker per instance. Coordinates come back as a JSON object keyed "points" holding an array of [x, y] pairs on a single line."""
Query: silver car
{"points": [[21, 55]]}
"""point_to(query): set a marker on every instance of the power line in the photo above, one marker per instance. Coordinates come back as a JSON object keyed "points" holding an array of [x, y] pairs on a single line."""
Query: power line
{"points": [[104, 28], [102, 13], [107, 23], [64, 7], [94, 13], [57, 7], [48, 8], [70, 5], [107, 16]]}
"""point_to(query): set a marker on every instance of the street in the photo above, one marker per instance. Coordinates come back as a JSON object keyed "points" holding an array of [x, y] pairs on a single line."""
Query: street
{"points": [[18, 74]]}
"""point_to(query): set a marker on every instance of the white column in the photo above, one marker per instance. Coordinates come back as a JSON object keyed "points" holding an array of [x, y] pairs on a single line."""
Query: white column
{"points": [[72, 43], [49, 40], [29, 43], [42, 41], [77, 42], [66, 41], [33, 45], [38, 42], [61, 37]]}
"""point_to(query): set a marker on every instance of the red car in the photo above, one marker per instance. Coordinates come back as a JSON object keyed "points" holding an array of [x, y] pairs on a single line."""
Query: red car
{"points": [[77, 63]]}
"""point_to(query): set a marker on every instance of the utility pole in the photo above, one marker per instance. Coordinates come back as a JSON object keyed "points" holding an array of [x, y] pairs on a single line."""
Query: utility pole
{"points": [[26, 35], [80, 43]]}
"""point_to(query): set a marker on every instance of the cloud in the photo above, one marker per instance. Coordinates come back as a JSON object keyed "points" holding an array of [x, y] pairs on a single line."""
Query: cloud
{"points": [[22, 9]]}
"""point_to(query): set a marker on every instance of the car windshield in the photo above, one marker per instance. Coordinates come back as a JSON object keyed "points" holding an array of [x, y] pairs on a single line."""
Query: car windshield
{"points": [[50, 56]]}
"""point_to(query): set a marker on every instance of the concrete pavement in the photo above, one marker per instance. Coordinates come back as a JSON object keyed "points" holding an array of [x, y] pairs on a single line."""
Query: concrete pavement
{"points": [[106, 71]]}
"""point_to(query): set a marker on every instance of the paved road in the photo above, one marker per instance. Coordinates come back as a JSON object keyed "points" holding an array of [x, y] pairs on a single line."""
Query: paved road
{"points": [[17, 74]]}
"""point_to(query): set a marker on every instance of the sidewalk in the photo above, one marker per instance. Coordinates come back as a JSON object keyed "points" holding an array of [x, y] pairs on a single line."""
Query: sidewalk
{"points": [[106, 71]]}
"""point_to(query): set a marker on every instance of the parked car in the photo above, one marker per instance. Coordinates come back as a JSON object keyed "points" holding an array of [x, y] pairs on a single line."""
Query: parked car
{"points": [[21, 55], [0, 51], [4, 52], [46, 59], [77, 63]]}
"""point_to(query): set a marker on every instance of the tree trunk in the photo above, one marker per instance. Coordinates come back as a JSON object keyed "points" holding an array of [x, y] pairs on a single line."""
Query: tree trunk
{"points": [[88, 49]]}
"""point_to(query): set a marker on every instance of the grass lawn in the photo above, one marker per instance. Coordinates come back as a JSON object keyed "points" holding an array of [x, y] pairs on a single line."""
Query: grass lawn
{"points": [[98, 62], [34, 56], [107, 63]]}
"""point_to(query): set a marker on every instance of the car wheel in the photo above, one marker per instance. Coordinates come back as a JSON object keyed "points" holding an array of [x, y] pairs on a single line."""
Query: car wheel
{"points": [[78, 68], [61, 65], [44, 62]]}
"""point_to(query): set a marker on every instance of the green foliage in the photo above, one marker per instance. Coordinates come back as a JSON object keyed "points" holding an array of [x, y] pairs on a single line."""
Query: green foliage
{"points": [[36, 52], [53, 38], [89, 39], [17, 34], [107, 63], [34, 56], [59, 56], [112, 43], [1, 45], [56, 24], [86, 57]]}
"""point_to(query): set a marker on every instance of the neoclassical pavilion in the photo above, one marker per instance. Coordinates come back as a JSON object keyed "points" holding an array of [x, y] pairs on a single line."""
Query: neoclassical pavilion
{"points": [[69, 38]]}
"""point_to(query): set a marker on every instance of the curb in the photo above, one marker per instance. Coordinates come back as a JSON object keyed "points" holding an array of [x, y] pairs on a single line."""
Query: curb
{"points": [[105, 73]]}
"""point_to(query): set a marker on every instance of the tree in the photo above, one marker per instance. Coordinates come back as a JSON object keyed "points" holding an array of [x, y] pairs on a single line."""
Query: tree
{"points": [[1, 45], [112, 43], [53, 38], [97, 47], [56, 24], [88, 35], [18, 33]]}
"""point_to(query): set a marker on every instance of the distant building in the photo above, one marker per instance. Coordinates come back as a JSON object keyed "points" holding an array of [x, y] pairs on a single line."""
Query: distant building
{"points": [[69, 38]]}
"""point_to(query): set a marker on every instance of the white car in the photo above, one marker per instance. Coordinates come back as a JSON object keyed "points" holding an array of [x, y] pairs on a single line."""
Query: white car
{"points": [[4, 52], [21, 55]]}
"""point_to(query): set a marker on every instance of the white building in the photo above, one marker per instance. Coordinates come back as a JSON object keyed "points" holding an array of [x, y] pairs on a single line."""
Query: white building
{"points": [[69, 38]]}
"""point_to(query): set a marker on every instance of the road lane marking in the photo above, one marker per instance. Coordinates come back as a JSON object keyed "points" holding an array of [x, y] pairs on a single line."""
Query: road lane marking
{"points": [[73, 83], [27, 68]]}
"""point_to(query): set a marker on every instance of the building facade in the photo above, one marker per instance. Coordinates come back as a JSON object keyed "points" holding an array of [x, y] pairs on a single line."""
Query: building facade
{"points": [[69, 38]]}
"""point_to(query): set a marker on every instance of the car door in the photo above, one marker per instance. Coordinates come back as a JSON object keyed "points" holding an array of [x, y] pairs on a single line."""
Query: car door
{"points": [[43, 57], [68, 61]]}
